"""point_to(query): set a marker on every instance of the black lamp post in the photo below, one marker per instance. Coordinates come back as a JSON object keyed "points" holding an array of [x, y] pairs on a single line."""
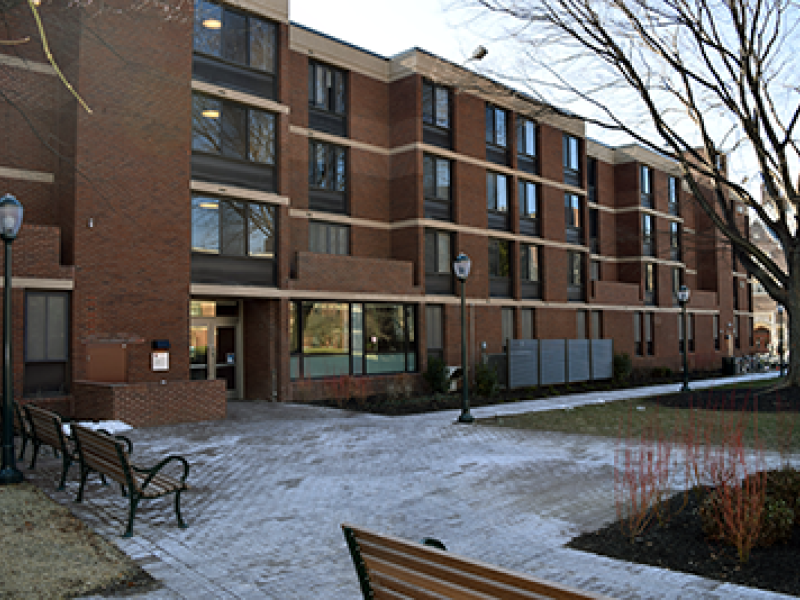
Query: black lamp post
{"points": [[780, 337], [683, 299], [461, 267], [10, 222]]}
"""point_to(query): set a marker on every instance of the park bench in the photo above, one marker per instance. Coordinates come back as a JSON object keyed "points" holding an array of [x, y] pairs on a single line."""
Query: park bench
{"points": [[22, 428], [393, 568], [47, 429], [100, 452]]}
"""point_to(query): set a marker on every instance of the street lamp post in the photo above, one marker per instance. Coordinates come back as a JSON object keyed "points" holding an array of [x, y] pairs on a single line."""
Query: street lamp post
{"points": [[683, 299], [780, 336], [461, 267], [10, 222]]}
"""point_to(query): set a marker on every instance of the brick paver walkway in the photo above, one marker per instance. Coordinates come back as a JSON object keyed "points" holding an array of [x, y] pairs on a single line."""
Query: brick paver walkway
{"points": [[272, 483]]}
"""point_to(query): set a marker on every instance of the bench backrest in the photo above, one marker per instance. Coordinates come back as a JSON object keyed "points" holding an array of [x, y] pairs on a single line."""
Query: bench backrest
{"points": [[104, 454], [20, 423], [390, 567], [47, 426]]}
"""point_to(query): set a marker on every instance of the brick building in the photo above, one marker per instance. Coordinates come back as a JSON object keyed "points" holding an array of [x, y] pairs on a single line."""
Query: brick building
{"points": [[271, 206]]}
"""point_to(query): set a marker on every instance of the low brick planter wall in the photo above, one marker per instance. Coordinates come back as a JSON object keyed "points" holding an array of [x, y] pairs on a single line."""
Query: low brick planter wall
{"points": [[150, 404]]}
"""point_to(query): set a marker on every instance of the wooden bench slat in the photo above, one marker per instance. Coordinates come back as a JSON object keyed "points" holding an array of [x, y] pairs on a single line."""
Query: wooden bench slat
{"points": [[436, 570], [386, 587], [416, 564]]}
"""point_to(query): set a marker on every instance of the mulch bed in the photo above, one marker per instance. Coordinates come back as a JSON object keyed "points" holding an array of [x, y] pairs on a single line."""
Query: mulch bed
{"points": [[680, 546]]}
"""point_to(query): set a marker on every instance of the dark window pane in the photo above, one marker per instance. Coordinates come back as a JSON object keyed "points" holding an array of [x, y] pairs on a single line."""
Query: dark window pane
{"points": [[57, 327], [339, 102], [442, 97], [502, 194], [443, 252], [261, 228], [500, 127], [234, 37], [208, 28], [235, 131], [36, 317], [504, 259], [326, 328], [427, 103], [385, 328], [206, 124], [341, 171], [205, 224], [262, 137], [491, 191], [489, 125], [429, 176], [430, 252], [233, 228], [443, 179]]}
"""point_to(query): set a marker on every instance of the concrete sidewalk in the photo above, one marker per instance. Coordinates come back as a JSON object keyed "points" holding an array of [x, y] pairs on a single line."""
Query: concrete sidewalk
{"points": [[272, 483]]}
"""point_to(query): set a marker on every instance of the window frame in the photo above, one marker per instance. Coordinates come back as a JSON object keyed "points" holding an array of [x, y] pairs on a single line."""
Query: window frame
{"points": [[576, 276], [498, 213], [650, 283], [648, 235], [437, 205], [492, 126], [573, 218], [60, 360], [529, 225], [246, 234], [646, 185], [432, 121], [571, 149], [336, 97], [673, 196], [329, 230]]}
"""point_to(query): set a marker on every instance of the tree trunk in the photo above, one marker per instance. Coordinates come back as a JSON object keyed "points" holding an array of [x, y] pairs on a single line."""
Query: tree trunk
{"points": [[792, 319]]}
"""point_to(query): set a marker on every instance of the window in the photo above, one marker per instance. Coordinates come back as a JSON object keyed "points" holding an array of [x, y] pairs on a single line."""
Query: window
{"points": [[327, 89], [438, 262], [232, 130], [594, 231], [673, 205], [597, 325], [674, 241], [575, 276], [591, 178], [232, 227], [580, 325], [646, 185], [338, 339], [716, 331], [434, 330], [528, 323], [528, 208], [690, 326], [437, 252], [225, 40], [572, 218], [499, 268], [638, 348], [648, 237], [496, 126], [435, 105], [327, 238], [650, 283], [436, 187], [507, 325], [648, 333], [572, 162], [677, 280], [499, 258], [497, 200], [46, 343], [526, 145], [327, 177], [529, 271]]}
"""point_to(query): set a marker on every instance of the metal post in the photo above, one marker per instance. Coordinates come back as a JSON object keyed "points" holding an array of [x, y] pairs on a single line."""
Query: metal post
{"points": [[465, 417], [780, 339], [9, 473], [685, 387]]}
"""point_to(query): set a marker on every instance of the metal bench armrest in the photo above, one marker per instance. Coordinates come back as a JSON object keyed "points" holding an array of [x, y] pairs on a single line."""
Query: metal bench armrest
{"points": [[153, 471]]}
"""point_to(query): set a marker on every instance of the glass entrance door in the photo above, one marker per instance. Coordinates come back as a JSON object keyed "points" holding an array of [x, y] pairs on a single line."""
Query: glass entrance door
{"points": [[213, 351]]}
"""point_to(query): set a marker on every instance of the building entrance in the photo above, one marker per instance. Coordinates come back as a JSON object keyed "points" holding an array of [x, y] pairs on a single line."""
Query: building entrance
{"points": [[214, 348]]}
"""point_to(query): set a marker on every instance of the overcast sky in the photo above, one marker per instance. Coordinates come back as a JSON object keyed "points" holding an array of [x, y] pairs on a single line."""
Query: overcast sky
{"points": [[388, 27]]}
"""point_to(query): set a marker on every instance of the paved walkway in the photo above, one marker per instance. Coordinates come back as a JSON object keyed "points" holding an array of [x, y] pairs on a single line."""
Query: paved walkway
{"points": [[272, 483]]}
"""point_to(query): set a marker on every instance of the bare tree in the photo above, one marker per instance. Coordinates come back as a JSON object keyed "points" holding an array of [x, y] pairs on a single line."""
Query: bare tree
{"points": [[701, 81]]}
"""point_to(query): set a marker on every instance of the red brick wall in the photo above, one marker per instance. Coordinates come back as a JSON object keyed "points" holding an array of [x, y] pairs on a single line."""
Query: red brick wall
{"points": [[353, 274]]}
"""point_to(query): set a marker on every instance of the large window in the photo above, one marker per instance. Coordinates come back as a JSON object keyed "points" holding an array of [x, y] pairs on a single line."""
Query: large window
{"points": [[327, 177], [573, 219], [232, 130], [332, 339], [435, 114], [499, 268], [530, 275], [46, 343], [436, 187], [528, 208], [232, 227], [526, 145], [235, 49], [327, 99], [496, 126], [438, 262], [328, 238], [572, 160], [497, 200], [646, 185]]}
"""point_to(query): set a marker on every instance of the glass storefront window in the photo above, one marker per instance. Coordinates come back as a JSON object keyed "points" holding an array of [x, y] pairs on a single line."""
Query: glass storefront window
{"points": [[385, 328], [326, 328]]}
